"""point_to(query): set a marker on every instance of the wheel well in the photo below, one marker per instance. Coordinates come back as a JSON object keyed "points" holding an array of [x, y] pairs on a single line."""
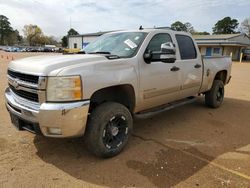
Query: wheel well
{"points": [[123, 94], [222, 75]]}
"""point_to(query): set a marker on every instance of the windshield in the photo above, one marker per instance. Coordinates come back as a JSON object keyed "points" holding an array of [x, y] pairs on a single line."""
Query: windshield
{"points": [[123, 44]]}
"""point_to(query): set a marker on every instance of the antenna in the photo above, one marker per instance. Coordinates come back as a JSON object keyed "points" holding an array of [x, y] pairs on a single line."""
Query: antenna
{"points": [[70, 26], [141, 28]]}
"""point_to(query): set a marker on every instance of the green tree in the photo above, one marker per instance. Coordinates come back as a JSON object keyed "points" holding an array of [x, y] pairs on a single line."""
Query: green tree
{"points": [[65, 38], [179, 26], [226, 26], [72, 32], [19, 37], [189, 27], [33, 33], [5, 29], [64, 41], [48, 40], [14, 38], [245, 26]]}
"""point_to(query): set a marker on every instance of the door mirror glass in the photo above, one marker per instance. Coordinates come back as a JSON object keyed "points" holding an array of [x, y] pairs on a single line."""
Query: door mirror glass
{"points": [[165, 55]]}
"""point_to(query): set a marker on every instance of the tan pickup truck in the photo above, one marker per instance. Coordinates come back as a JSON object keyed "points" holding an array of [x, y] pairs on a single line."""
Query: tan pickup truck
{"points": [[122, 75]]}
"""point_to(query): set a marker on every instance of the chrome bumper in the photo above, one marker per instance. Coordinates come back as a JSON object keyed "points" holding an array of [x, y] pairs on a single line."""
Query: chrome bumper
{"points": [[70, 118]]}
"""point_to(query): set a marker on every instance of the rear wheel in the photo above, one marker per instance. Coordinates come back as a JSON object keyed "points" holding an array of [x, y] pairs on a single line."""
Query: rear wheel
{"points": [[214, 97], [108, 129]]}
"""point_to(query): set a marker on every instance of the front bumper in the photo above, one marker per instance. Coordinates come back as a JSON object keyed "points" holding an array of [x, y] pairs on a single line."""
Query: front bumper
{"points": [[69, 118]]}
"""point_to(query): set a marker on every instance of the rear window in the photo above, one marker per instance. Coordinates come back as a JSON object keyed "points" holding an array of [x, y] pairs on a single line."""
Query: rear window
{"points": [[247, 51], [186, 47]]}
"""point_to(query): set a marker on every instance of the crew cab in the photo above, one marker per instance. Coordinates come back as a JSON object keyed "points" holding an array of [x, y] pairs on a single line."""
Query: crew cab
{"points": [[120, 76]]}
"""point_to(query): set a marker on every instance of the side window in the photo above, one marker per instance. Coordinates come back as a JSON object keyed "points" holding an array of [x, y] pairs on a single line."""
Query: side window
{"points": [[157, 41], [186, 47], [216, 50]]}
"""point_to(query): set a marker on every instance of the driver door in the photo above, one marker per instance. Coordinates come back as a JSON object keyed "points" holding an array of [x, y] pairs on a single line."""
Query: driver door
{"points": [[160, 82]]}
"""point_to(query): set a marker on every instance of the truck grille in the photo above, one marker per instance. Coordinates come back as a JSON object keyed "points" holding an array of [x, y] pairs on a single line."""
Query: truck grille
{"points": [[24, 77], [25, 94]]}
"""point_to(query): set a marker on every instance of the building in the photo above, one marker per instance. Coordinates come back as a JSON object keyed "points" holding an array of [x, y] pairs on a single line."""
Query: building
{"points": [[217, 45], [80, 41], [209, 45]]}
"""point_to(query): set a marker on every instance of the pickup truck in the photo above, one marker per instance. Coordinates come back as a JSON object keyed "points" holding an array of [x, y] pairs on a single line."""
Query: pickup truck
{"points": [[119, 76]]}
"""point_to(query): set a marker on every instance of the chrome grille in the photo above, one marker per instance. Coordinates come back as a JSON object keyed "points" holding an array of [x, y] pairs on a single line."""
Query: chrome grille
{"points": [[26, 86], [23, 77], [24, 94]]}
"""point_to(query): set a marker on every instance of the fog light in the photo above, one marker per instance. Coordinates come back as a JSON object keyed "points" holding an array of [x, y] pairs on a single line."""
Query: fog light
{"points": [[55, 130]]}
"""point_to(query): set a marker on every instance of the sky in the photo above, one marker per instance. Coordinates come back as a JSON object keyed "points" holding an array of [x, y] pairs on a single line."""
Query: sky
{"points": [[53, 16]]}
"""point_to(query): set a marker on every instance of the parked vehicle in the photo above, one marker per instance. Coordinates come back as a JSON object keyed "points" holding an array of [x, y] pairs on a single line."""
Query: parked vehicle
{"points": [[7, 49], [71, 50], [12, 49], [40, 49], [58, 50], [23, 49], [246, 54], [48, 49], [122, 75]]}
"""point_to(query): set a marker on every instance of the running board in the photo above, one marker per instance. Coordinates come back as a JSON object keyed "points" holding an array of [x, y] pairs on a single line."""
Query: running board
{"points": [[163, 108]]}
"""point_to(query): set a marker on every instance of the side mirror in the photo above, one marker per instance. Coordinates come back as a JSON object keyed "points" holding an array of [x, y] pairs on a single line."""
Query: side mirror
{"points": [[166, 55]]}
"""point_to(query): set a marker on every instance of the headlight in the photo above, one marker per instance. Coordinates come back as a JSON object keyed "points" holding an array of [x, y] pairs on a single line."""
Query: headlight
{"points": [[68, 88]]}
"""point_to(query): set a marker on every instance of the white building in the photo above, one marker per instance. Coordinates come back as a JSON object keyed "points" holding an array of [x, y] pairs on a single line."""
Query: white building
{"points": [[80, 41]]}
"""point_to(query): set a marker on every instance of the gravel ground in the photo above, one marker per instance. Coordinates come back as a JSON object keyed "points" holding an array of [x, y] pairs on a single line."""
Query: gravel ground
{"points": [[190, 146]]}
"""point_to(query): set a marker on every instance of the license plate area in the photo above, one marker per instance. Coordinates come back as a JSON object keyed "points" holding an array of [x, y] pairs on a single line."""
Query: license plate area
{"points": [[16, 122], [21, 125]]}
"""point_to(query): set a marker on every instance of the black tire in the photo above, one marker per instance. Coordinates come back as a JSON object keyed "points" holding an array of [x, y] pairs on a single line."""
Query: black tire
{"points": [[214, 97], [108, 130]]}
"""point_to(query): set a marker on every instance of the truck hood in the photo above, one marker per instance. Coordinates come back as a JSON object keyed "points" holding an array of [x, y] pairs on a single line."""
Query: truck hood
{"points": [[53, 64]]}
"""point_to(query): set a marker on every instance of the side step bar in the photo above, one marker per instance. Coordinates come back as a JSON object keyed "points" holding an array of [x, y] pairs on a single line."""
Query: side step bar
{"points": [[163, 108]]}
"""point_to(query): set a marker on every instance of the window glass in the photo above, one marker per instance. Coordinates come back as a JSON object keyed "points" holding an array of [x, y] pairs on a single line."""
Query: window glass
{"points": [[157, 41], [123, 44], [186, 47], [216, 51]]}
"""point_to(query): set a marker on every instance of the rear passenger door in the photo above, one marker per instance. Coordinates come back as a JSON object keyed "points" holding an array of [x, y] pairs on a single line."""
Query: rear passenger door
{"points": [[190, 66]]}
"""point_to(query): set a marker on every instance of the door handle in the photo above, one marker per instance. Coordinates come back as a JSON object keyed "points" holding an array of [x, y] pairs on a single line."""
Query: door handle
{"points": [[197, 66], [174, 68]]}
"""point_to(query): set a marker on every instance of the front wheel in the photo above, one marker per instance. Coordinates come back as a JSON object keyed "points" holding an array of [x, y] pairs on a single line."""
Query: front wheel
{"points": [[214, 97], [108, 130]]}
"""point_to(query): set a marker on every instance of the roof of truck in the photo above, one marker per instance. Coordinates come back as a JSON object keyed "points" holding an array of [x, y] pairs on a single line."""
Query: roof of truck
{"points": [[146, 30]]}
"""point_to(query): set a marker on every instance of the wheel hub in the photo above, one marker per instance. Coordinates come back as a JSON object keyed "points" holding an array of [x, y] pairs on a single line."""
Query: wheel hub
{"points": [[114, 130], [219, 95]]}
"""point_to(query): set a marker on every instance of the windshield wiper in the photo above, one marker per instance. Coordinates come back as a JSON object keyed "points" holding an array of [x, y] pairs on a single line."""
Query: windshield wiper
{"points": [[113, 56], [100, 52], [108, 54]]}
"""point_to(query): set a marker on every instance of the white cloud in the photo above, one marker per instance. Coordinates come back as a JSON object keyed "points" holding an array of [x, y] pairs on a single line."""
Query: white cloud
{"points": [[53, 16]]}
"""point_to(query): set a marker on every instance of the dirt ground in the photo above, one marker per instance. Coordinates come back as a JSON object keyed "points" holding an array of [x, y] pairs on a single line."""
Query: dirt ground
{"points": [[190, 146]]}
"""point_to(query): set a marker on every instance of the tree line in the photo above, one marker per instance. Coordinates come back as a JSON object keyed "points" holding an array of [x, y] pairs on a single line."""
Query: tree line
{"points": [[226, 25], [34, 36]]}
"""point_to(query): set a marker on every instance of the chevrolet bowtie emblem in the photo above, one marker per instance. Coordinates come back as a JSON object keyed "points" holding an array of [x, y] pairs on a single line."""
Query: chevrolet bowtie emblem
{"points": [[15, 83]]}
